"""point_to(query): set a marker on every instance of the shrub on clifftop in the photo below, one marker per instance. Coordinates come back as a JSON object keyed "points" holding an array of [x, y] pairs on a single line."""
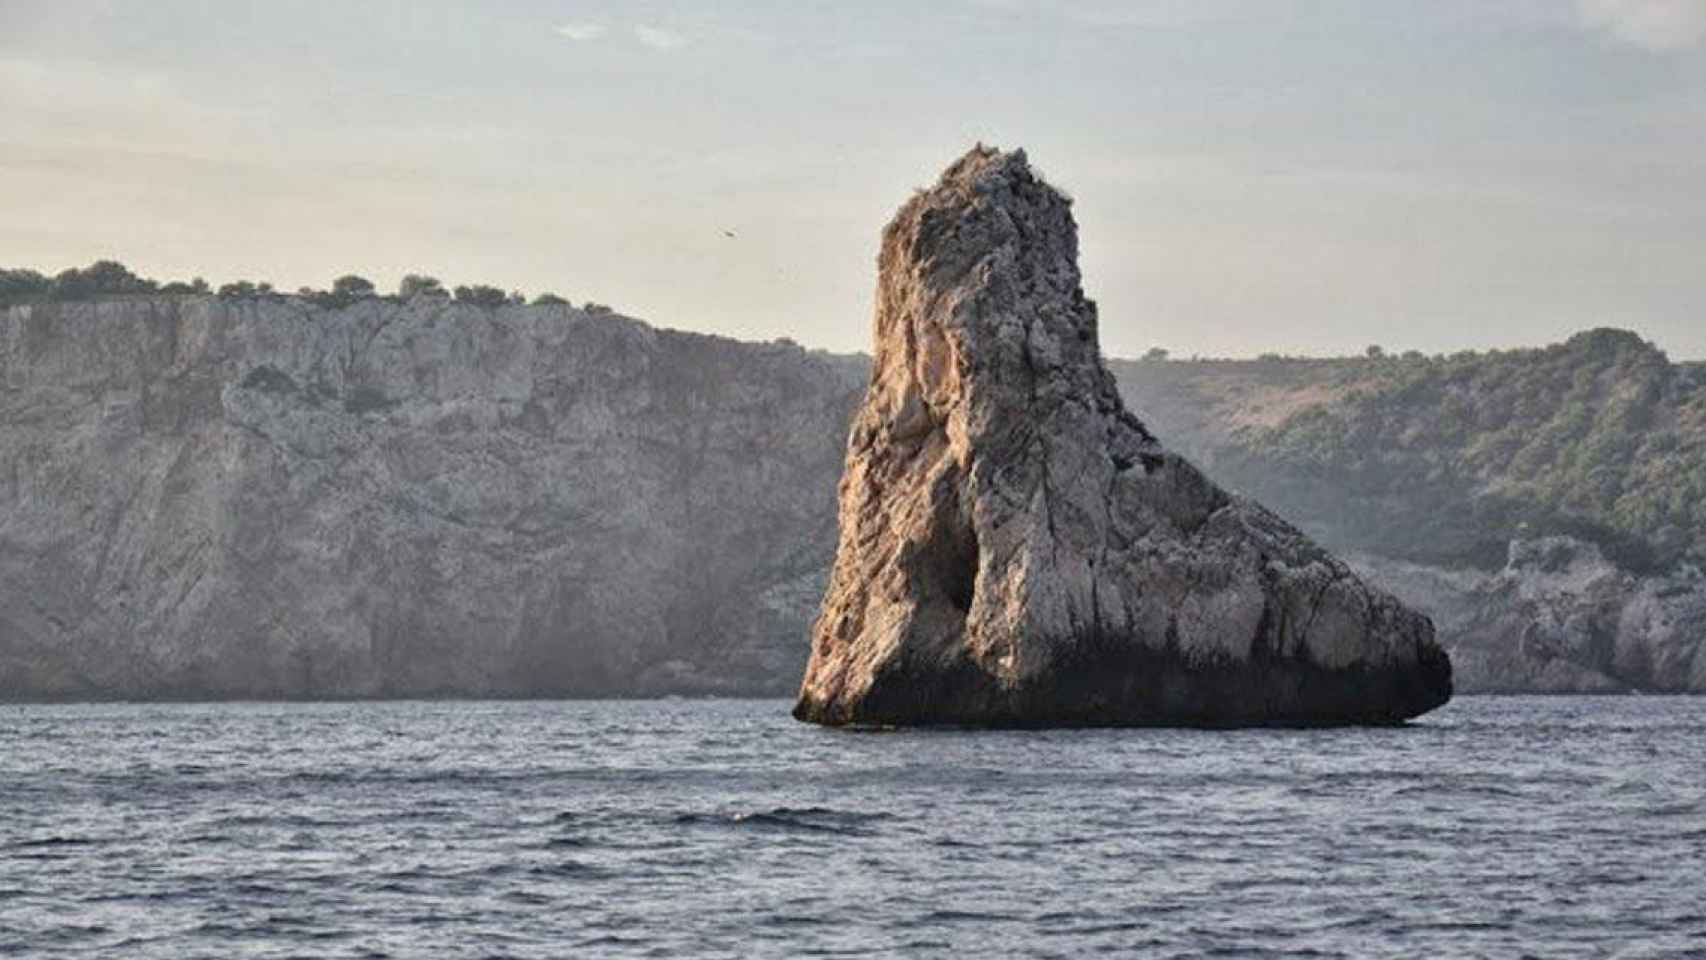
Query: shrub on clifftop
{"points": [[481, 295], [420, 285], [351, 287], [16, 285], [103, 278], [242, 289]]}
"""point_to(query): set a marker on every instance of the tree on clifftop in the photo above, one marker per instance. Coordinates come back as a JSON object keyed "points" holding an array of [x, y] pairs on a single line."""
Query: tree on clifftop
{"points": [[351, 287], [420, 285], [481, 295], [18, 285], [244, 288], [101, 278]]}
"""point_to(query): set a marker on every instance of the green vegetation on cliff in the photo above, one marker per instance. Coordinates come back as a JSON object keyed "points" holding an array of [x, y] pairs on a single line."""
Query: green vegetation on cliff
{"points": [[109, 278], [1446, 459]]}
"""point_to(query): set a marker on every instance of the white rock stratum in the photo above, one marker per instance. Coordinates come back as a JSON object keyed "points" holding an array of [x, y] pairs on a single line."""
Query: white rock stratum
{"points": [[1015, 548]]}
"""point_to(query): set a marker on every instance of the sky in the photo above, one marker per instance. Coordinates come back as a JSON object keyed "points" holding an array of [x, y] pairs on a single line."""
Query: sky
{"points": [[1249, 176]]}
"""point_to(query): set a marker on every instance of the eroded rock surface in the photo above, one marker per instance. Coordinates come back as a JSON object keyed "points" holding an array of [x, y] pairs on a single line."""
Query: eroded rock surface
{"points": [[209, 498], [1015, 547], [1561, 618]]}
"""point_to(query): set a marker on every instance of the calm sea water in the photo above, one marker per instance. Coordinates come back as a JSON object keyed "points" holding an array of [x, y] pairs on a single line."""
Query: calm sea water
{"points": [[1495, 827]]}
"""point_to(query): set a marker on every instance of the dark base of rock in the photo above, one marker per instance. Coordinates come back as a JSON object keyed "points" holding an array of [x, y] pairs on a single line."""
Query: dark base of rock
{"points": [[1148, 689]]}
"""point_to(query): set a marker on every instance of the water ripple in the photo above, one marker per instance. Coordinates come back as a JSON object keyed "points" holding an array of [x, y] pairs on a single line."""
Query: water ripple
{"points": [[1496, 827]]}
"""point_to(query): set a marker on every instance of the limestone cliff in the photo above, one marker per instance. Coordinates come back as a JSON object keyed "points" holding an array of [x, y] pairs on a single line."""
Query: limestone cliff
{"points": [[204, 497], [251, 496], [1016, 548], [1560, 618]]}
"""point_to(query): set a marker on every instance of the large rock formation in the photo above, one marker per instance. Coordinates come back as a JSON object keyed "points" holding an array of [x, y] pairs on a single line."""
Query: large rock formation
{"points": [[207, 498], [1017, 549]]}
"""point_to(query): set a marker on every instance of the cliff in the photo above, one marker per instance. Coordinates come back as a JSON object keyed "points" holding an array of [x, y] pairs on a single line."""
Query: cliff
{"points": [[254, 497], [1464, 483], [1559, 617]]}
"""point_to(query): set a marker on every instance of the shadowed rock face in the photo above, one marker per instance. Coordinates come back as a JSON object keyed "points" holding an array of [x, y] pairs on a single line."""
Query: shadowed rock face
{"points": [[1016, 548], [1561, 618]]}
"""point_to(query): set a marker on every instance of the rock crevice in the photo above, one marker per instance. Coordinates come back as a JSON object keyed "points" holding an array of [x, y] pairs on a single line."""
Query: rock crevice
{"points": [[1016, 548]]}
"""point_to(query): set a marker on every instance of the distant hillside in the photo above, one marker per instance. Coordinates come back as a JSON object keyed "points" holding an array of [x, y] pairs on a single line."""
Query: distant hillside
{"points": [[445, 492], [1446, 460]]}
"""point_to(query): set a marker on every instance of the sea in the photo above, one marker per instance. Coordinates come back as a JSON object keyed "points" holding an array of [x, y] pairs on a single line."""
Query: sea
{"points": [[1495, 827]]}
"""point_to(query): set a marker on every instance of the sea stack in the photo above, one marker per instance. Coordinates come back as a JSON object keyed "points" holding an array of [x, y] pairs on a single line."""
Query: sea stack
{"points": [[1016, 549]]}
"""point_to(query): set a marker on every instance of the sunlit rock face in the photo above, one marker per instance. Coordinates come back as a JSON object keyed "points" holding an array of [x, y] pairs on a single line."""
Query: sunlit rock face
{"points": [[1015, 548]]}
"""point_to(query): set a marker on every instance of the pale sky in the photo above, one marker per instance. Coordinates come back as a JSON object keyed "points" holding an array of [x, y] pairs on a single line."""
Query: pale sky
{"points": [[1250, 176]]}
